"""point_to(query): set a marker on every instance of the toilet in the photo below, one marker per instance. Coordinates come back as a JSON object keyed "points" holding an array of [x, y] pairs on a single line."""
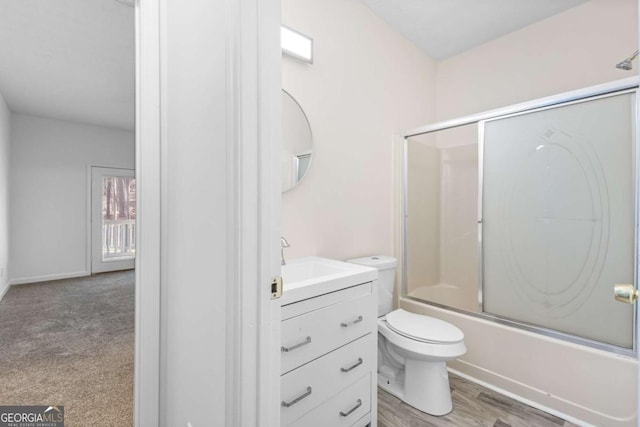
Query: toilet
{"points": [[412, 348]]}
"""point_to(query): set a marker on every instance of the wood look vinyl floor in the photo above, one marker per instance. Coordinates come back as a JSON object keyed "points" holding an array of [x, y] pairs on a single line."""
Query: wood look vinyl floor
{"points": [[473, 406]]}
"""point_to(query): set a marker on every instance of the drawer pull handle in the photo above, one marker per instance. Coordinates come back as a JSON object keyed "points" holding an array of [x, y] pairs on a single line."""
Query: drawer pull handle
{"points": [[297, 399], [353, 322], [351, 368], [346, 414], [293, 347]]}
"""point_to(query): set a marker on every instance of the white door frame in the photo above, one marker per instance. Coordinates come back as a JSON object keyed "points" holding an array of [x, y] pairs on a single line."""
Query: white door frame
{"points": [[260, 99], [252, 357], [637, 206], [147, 273]]}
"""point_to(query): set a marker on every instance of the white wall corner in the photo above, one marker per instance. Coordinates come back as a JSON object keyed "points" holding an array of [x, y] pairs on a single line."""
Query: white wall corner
{"points": [[4, 289], [398, 198]]}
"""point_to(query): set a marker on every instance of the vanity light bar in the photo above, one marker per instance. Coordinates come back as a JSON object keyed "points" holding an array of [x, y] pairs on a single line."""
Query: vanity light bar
{"points": [[296, 44]]}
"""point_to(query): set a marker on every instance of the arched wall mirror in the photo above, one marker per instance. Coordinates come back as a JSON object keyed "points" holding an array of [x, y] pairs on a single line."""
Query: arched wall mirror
{"points": [[296, 142]]}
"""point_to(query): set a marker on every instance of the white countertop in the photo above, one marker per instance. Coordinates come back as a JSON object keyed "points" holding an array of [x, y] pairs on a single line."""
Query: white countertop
{"points": [[308, 277]]}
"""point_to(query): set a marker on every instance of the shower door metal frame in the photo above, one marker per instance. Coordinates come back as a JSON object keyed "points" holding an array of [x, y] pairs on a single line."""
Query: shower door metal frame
{"points": [[619, 87]]}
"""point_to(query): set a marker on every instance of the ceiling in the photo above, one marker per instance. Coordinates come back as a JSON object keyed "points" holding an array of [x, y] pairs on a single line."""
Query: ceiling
{"points": [[69, 59], [74, 59], [444, 28]]}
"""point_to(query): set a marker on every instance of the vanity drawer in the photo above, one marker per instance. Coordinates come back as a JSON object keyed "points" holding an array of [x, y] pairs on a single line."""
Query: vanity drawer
{"points": [[345, 409], [366, 420], [323, 378], [309, 336]]}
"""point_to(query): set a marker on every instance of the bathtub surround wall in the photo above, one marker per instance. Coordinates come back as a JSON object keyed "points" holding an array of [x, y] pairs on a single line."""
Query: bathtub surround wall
{"points": [[423, 222], [540, 60], [5, 136], [459, 225], [442, 235], [366, 84], [48, 218]]}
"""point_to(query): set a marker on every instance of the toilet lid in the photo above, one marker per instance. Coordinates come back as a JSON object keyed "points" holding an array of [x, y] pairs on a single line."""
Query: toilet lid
{"points": [[423, 328]]}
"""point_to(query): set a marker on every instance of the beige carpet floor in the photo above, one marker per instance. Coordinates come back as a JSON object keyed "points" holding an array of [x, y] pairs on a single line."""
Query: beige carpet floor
{"points": [[71, 342]]}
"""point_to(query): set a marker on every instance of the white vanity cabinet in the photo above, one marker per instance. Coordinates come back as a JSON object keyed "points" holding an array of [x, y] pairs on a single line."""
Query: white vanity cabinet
{"points": [[329, 359]]}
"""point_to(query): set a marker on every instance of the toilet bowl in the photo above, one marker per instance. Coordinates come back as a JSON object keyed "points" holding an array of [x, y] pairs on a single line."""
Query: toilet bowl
{"points": [[412, 348], [413, 368]]}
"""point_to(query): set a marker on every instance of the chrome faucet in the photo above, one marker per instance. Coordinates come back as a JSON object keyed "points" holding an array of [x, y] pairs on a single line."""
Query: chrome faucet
{"points": [[283, 244]]}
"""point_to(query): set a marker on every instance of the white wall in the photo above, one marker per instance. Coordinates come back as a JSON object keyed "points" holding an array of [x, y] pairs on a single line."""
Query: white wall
{"points": [[574, 49], [5, 135], [194, 216], [366, 83], [48, 212]]}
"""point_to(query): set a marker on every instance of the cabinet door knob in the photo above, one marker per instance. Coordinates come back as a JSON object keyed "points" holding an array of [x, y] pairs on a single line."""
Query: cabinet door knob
{"points": [[352, 367], [353, 322], [346, 414], [297, 399], [293, 347]]}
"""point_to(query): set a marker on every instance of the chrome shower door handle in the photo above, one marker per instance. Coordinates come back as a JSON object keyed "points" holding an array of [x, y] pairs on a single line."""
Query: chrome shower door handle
{"points": [[626, 293]]}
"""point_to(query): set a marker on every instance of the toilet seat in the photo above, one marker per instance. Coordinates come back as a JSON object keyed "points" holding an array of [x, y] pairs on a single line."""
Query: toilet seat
{"points": [[423, 328], [420, 350]]}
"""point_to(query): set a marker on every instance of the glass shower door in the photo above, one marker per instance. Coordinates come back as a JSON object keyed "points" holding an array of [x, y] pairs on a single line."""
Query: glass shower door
{"points": [[558, 217]]}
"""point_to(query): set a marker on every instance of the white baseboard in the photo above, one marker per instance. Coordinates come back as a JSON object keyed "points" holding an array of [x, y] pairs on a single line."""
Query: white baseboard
{"points": [[48, 277], [521, 399]]}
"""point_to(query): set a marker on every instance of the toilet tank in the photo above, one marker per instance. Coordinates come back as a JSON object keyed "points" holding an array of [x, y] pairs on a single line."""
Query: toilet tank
{"points": [[386, 267]]}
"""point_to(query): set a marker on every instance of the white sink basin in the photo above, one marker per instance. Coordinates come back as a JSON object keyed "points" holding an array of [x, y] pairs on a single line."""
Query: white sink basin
{"points": [[295, 272], [308, 277]]}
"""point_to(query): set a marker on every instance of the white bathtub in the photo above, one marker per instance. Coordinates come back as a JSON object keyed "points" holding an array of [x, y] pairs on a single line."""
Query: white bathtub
{"points": [[578, 383]]}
